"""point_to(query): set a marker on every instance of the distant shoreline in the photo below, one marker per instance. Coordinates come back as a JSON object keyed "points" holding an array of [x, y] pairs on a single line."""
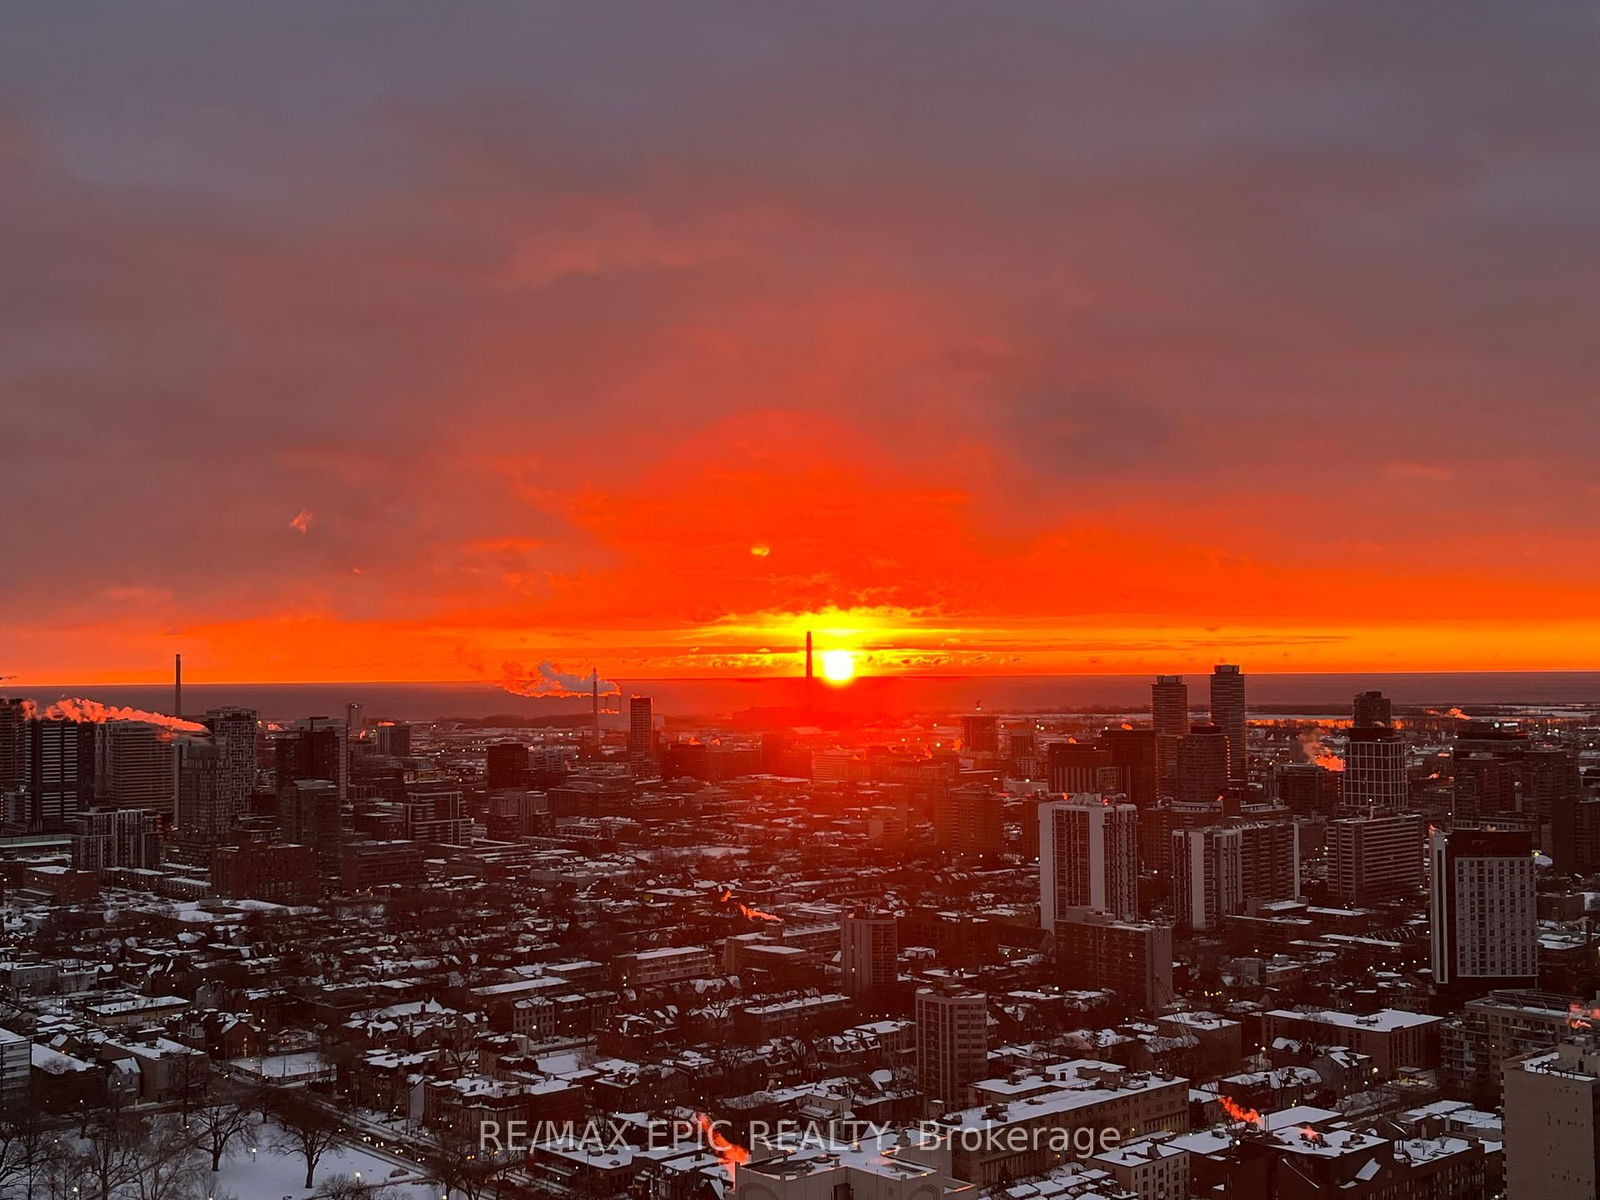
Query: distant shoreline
{"points": [[1281, 694]]}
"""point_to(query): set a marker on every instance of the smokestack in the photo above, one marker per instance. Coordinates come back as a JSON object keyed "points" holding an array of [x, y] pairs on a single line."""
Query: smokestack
{"points": [[808, 656], [177, 686], [594, 690]]}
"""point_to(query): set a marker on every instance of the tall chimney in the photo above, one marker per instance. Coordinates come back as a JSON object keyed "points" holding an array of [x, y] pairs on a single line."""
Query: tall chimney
{"points": [[594, 689], [808, 656], [177, 686]]}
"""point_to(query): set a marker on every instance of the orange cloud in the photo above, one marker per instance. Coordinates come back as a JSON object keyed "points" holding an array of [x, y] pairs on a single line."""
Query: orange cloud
{"points": [[640, 392], [895, 561]]}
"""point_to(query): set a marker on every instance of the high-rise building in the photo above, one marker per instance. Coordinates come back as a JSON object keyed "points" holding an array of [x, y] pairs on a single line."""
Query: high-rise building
{"points": [[1088, 857], [952, 1041], [13, 745], [980, 733], [1022, 752], [16, 1070], [641, 734], [1375, 769], [1372, 709], [134, 766], [1482, 910], [1228, 712], [1507, 739], [1135, 754], [1202, 765], [1132, 958], [204, 810], [1487, 1031], [61, 760], [366, 865], [110, 837], [1080, 767], [1207, 874], [1378, 856], [234, 732], [314, 748], [1169, 706], [507, 766], [393, 739], [868, 955], [1307, 789], [1552, 1122], [310, 813], [277, 871], [1217, 868], [432, 812], [1169, 714], [1487, 770], [1270, 855], [1573, 836], [1552, 788], [969, 820]]}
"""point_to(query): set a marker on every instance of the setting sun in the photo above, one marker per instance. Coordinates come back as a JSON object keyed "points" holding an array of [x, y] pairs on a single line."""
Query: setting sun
{"points": [[838, 666]]}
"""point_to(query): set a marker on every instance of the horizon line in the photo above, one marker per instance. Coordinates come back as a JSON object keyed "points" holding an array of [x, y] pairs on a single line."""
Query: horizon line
{"points": [[189, 681]]}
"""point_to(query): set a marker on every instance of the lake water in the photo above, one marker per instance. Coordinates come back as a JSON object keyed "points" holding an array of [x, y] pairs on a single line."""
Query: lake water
{"points": [[1312, 694]]}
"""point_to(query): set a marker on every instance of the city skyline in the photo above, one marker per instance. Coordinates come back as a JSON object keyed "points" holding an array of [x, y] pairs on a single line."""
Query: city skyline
{"points": [[757, 600], [1063, 341]]}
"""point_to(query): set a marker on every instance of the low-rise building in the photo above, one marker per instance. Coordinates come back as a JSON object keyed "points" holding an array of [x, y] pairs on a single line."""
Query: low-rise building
{"points": [[1391, 1038], [669, 964], [1022, 1121]]}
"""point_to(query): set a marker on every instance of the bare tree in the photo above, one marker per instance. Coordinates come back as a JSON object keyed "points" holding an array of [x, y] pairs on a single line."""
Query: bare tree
{"points": [[304, 1128], [461, 1165], [169, 1166], [191, 1075], [110, 1158], [30, 1150], [57, 1178], [457, 1040], [12, 1151], [347, 1187], [221, 1117]]}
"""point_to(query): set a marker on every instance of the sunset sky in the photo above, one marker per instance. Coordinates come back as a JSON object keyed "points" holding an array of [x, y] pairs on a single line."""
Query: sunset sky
{"points": [[350, 341]]}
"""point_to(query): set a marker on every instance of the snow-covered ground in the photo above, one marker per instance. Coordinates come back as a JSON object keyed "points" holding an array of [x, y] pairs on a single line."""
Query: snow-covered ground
{"points": [[282, 1068], [268, 1176]]}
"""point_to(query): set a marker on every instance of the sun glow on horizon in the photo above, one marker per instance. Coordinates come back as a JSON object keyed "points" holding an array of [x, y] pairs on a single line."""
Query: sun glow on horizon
{"points": [[838, 666]]}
